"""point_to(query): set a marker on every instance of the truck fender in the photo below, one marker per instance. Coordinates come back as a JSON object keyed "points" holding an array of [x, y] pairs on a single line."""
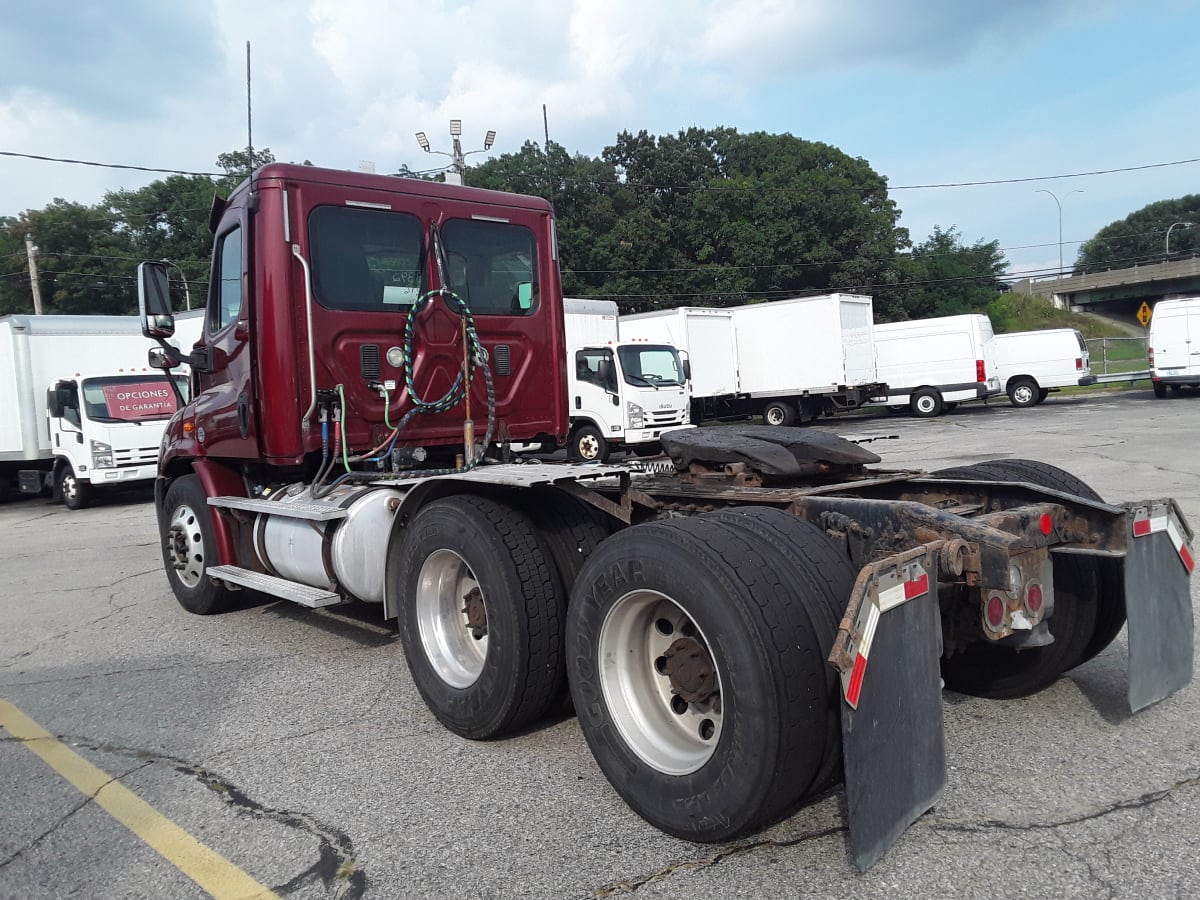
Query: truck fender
{"points": [[218, 481]]}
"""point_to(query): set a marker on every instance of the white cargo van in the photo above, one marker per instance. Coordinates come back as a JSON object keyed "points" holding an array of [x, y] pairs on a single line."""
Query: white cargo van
{"points": [[1174, 345], [1031, 364], [928, 364]]}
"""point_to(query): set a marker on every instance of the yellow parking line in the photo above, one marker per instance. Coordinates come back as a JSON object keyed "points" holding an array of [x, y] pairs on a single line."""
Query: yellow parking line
{"points": [[213, 872]]}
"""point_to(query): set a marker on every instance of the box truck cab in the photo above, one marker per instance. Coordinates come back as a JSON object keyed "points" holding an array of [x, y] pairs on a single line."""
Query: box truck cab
{"points": [[930, 364], [622, 393], [1173, 345], [1031, 364], [84, 409]]}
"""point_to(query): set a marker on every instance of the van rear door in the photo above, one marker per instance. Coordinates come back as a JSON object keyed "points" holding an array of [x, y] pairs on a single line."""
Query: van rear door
{"points": [[1175, 338]]}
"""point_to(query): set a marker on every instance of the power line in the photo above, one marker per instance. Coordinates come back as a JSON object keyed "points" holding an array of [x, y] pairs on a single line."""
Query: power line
{"points": [[102, 165]]}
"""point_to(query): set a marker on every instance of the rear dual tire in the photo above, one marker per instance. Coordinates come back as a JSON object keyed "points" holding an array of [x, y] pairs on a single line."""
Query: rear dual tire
{"points": [[481, 616], [699, 676]]}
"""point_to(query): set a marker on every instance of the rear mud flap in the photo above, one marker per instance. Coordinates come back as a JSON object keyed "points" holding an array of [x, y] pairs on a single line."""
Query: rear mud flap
{"points": [[1158, 568], [892, 738]]}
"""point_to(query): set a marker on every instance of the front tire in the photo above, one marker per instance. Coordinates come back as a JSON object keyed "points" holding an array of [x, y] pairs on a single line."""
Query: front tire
{"points": [[480, 616], [588, 445], [699, 685], [1023, 392], [75, 494], [189, 548]]}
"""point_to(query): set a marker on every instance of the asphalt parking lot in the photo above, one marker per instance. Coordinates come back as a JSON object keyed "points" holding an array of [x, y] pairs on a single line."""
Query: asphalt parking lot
{"points": [[290, 749]]}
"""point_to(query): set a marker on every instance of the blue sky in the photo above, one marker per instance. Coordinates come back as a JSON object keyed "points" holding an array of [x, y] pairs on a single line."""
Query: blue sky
{"points": [[927, 91]]}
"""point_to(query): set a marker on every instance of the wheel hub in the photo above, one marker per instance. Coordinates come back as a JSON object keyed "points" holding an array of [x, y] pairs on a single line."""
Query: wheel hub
{"points": [[690, 670], [476, 613], [177, 546]]}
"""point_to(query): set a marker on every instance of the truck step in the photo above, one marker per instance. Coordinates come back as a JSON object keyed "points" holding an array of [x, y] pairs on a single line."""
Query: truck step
{"points": [[314, 512], [313, 598]]}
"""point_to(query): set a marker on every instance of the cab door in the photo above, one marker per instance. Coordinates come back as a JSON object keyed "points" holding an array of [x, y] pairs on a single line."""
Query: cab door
{"points": [[225, 407]]}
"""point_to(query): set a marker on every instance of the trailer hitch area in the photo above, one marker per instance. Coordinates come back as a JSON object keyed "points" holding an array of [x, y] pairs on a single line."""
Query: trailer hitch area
{"points": [[1158, 567], [891, 716]]}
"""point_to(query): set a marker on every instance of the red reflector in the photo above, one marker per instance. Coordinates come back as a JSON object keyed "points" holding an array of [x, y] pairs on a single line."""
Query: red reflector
{"points": [[916, 587], [1141, 527], [995, 611], [980, 370], [1047, 523], [1033, 600], [856, 680], [1186, 556]]}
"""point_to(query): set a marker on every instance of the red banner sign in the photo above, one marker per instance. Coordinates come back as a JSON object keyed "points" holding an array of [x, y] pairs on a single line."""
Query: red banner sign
{"points": [[139, 400]]}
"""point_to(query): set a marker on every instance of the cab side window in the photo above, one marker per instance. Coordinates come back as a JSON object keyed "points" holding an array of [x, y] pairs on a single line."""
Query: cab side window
{"points": [[228, 286]]}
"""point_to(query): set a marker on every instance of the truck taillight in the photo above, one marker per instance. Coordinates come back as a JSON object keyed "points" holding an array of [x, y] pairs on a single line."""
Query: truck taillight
{"points": [[1033, 598], [994, 611], [980, 371], [1079, 364], [1150, 356]]}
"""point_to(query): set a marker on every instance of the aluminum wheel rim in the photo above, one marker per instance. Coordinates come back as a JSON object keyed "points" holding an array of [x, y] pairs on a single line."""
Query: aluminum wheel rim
{"points": [[637, 630], [185, 544], [70, 487], [446, 637], [925, 403], [1023, 394], [774, 416]]}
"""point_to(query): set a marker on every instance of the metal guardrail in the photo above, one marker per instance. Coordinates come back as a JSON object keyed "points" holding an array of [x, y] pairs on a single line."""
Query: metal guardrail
{"points": [[1118, 359]]}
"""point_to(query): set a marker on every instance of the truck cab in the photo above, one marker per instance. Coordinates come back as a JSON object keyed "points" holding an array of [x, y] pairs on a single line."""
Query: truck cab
{"points": [[625, 394], [622, 393], [105, 430]]}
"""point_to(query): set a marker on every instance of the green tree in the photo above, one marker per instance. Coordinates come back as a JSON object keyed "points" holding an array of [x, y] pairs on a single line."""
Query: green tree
{"points": [[711, 217], [238, 164], [1141, 236], [943, 277]]}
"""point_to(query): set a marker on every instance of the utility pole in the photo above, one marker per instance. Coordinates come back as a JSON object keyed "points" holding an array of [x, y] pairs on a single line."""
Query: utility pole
{"points": [[31, 251]]}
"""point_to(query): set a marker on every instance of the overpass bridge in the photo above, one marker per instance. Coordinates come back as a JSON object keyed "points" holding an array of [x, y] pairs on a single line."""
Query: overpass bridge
{"points": [[1117, 293]]}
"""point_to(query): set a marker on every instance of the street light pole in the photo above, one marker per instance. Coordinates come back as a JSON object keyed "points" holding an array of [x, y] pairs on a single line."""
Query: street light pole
{"points": [[187, 293], [458, 159], [1060, 206], [1167, 251]]}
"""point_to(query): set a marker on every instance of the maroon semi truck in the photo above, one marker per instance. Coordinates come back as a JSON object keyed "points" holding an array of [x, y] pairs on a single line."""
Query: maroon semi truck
{"points": [[739, 625]]}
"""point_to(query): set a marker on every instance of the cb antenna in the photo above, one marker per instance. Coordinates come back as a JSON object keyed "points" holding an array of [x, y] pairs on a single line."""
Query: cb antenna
{"points": [[249, 130]]}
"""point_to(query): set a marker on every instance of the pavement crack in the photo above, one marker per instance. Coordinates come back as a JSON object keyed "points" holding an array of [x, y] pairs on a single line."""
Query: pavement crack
{"points": [[630, 885], [335, 867], [1140, 802]]}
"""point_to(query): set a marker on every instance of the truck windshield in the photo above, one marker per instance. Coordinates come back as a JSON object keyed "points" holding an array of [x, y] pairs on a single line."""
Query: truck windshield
{"points": [[651, 364], [488, 262], [131, 398]]}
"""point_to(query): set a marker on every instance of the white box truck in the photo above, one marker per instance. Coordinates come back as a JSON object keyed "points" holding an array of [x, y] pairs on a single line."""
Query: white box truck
{"points": [[83, 408], [932, 365], [1031, 364], [789, 361], [1173, 345], [621, 393]]}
